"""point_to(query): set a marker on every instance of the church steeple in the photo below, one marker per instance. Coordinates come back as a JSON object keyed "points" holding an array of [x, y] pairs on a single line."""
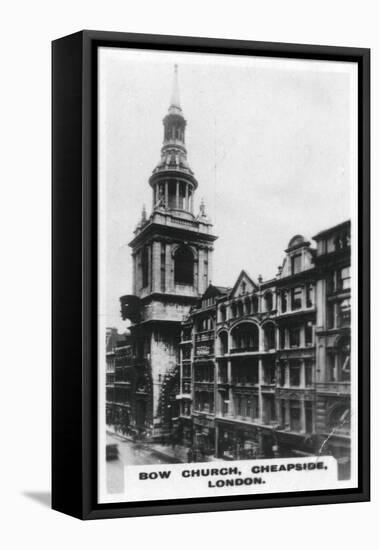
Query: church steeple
{"points": [[172, 180], [175, 97]]}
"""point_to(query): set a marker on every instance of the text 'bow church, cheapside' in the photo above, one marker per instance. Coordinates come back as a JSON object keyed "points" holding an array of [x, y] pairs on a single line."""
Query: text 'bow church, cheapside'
{"points": [[257, 370]]}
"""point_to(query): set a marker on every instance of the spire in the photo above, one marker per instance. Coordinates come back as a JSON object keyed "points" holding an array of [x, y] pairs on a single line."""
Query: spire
{"points": [[175, 98]]}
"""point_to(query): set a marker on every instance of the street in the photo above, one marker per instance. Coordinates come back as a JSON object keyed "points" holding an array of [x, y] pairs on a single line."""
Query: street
{"points": [[130, 454]]}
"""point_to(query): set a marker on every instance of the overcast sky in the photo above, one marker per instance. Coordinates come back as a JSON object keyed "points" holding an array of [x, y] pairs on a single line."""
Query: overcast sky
{"points": [[272, 143]]}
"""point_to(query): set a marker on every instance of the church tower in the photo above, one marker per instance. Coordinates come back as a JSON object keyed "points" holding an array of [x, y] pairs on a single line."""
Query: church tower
{"points": [[172, 267]]}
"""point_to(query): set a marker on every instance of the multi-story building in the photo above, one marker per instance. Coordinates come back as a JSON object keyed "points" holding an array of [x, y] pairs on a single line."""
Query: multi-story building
{"points": [[333, 390], [113, 340], [266, 360], [197, 372], [123, 383], [172, 265], [254, 346], [296, 360]]}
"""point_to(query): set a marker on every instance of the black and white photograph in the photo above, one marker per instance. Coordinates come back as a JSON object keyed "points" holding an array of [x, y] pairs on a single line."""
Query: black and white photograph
{"points": [[227, 245]]}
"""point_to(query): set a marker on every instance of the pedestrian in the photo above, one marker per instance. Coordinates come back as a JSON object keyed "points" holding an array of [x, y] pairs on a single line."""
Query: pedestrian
{"points": [[190, 455]]}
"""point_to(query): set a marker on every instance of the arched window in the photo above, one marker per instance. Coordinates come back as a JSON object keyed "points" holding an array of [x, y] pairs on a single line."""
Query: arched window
{"points": [[245, 337], [184, 266], [145, 266]]}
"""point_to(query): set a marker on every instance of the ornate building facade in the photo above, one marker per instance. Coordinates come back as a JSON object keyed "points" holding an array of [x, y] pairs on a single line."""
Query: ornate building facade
{"points": [[265, 365]]}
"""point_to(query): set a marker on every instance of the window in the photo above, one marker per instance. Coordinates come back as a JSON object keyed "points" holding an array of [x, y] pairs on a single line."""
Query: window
{"points": [[344, 278], [296, 297], [224, 404], [308, 417], [308, 374], [240, 309], [295, 422], [245, 337], [294, 336], [223, 343], [282, 338], [283, 300], [239, 405], [309, 334], [223, 313], [245, 373], [296, 263], [171, 194], [268, 301], [186, 371], [309, 294], [222, 374], [254, 406], [254, 304], [204, 373], [269, 409], [269, 371], [184, 266], [295, 373], [182, 196], [204, 402], [283, 412], [330, 315], [269, 336], [282, 374], [343, 313]]}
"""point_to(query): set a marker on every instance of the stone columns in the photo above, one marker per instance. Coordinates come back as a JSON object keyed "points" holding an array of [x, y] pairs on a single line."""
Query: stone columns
{"points": [[261, 339], [229, 371], [169, 268], [287, 373], [156, 267]]}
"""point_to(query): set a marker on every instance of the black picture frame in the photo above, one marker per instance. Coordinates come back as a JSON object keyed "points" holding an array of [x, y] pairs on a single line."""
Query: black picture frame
{"points": [[74, 204]]}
